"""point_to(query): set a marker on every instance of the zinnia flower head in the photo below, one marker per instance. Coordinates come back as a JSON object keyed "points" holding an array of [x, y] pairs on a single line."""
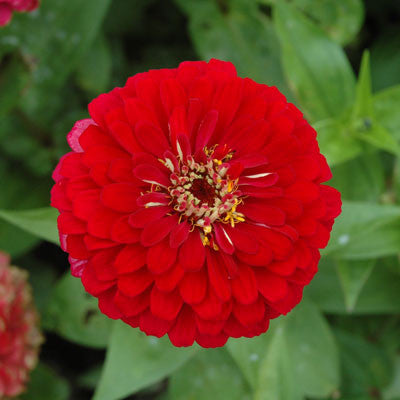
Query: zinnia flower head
{"points": [[7, 7], [192, 203], [19, 333]]}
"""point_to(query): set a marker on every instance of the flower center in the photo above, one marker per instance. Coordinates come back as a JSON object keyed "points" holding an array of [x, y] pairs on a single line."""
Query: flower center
{"points": [[203, 193]]}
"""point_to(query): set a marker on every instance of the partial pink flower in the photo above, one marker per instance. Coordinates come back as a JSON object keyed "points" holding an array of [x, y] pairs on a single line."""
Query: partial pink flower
{"points": [[7, 7], [20, 337]]}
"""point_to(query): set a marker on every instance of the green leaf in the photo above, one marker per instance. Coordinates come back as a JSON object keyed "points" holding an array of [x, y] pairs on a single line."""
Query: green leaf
{"points": [[135, 361], [353, 276], [45, 384], [74, 314], [365, 231], [316, 67], [18, 182], [392, 391], [364, 364], [367, 170], [296, 357], [275, 379], [41, 222], [363, 107], [336, 142], [240, 34], [94, 71], [371, 132], [210, 374], [341, 20], [380, 294], [386, 105]]}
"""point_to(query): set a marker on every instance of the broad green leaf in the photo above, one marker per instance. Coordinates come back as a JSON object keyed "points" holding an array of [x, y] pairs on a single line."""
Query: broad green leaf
{"points": [[74, 314], [316, 66], [135, 361], [16, 184], [365, 231], [313, 351], [296, 357], [371, 132], [392, 391], [336, 141], [94, 70], [240, 34], [386, 106], [341, 20], [380, 294], [41, 222], [367, 170], [210, 374], [45, 384], [353, 276], [275, 378], [364, 364]]}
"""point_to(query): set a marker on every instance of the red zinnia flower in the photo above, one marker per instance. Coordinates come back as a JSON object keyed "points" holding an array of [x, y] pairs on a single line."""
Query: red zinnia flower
{"points": [[19, 333], [192, 203], [8, 6]]}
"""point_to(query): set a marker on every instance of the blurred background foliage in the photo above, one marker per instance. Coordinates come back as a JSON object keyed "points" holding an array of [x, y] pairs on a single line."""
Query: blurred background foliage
{"points": [[339, 61]]}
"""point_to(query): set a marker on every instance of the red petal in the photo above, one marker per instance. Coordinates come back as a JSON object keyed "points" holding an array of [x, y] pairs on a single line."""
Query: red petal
{"points": [[70, 225], [165, 305], [193, 287], [172, 94], [161, 257], [120, 197], [135, 283], [192, 253], [153, 325], [210, 307], [249, 314], [130, 258], [92, 284], [102, 264], [261, 259], [131, 306], [169, 280], [206, 327], [125, 137], [123, 232], [244, 286], [151, 138], [150, 174], [107, 305], [271, 286], [223, 240], [218, 277], [71, 166], [156, 231], [152, 199], [260, 212], [184, 330], [210, 341], [242, 240], [143, 216], [179, 234], [206, 130], [101, 222], [76, 247]]}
